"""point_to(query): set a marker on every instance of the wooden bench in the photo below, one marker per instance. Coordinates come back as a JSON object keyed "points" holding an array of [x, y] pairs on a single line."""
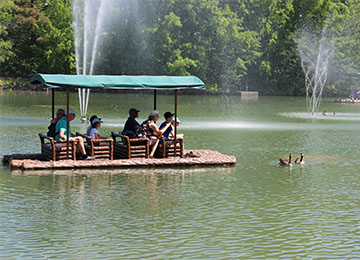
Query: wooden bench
{"points": [[53, 150], [130, 148], [166, 148], [100, 148]]}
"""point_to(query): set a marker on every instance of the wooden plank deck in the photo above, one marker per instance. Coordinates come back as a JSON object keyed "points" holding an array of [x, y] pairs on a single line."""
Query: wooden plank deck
{"points": [[35, 162]]}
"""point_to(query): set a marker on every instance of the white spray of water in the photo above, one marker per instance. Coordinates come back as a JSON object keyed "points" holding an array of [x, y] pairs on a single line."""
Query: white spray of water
{"points": [[98, 29], [76, 29], [316, 54], [87, 36]]}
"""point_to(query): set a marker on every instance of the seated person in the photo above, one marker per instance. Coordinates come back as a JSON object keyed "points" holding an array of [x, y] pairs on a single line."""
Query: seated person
{"points": [[168, 119], [91, 122], [150, 130], [172, 134], [94, 132], [131, 124], [61, 134], [52, 127]]}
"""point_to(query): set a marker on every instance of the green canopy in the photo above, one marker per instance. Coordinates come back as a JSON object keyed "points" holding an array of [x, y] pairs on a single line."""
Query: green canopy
{"points": [[118, 82]]}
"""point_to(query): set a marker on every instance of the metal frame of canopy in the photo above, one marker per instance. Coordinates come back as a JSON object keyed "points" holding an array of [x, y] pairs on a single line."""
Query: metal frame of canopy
{"points": [[155, 83]]}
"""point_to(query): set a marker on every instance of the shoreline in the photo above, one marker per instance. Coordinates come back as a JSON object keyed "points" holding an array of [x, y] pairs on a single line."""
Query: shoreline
{"points": [[21, 84], [18, 84]]}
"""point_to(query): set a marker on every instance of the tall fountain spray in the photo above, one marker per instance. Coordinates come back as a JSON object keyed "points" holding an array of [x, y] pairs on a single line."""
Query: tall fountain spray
{"points": [[88, 26], [316, 53]]}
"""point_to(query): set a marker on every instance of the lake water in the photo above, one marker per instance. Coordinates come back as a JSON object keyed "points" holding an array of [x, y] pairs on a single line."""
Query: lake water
{"points": [[256, 210]]}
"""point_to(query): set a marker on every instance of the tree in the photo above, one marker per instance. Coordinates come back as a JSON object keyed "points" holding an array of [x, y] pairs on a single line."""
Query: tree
{"points": [[5, 43]]}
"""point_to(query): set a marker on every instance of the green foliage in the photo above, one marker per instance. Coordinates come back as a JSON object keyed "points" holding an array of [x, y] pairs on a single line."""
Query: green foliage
{"points": [[231, 45], [5, 18]]}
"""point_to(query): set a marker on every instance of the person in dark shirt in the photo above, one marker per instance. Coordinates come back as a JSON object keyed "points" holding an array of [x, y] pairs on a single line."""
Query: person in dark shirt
{"points": [[168, 119], [59, 114], [131, 124]]}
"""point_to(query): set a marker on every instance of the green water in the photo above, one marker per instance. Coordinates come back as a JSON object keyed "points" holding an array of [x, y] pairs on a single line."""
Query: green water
{"points": [[256, 210]]}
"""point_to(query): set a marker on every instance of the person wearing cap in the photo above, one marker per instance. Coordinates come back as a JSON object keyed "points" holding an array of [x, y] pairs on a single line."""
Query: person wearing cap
{"points": [[178, 136], [61, 134], [150, 130], [94, 132], [131, 124], [168, 119], [91, 122]]}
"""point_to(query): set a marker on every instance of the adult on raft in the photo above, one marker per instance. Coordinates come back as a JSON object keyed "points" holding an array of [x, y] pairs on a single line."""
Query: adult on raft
{"points": [[150, 130], [61, 134]]}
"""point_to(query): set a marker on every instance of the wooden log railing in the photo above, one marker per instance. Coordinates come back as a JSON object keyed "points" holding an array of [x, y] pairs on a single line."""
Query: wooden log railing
{"points": [[104, 149], [57, 150], [128, 148]]}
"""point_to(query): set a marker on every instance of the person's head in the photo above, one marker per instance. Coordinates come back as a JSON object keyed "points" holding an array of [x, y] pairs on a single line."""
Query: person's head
{"points": [[96, 123], [154, 115], [168, 116], [72, 114], [177, 121], [93, 117], [60, 112], [134, 113]]}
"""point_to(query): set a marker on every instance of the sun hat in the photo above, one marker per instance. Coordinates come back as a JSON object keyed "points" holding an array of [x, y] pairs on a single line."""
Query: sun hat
{"points": [[177, 120], [154, 113], [93, 117], [168, 114], [71, 111], [133, 110], [97, 120]]}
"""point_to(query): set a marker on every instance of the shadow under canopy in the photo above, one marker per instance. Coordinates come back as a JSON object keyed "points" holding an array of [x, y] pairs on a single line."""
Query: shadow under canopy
{"points": [[122, 82]]}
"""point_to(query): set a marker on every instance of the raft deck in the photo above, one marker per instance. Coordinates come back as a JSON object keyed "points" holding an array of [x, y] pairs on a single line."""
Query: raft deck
{"points": [[36, 162]]}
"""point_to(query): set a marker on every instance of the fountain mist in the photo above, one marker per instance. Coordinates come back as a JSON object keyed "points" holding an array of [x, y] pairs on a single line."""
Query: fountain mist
{"points": [[316, 53], [87, 35]]}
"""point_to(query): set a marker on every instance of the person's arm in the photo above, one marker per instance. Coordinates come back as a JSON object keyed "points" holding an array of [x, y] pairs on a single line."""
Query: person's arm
{"points": [[159, 131], [62, 134], [162, 130], [172, 133]]}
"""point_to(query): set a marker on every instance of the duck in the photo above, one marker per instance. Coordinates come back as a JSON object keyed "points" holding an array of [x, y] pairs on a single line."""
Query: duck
{"points": [[324, 113], [284, 162], [300, 159]]}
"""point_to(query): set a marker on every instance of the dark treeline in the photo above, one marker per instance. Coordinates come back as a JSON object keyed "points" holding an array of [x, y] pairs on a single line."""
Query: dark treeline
{"points": [[230, 44]]}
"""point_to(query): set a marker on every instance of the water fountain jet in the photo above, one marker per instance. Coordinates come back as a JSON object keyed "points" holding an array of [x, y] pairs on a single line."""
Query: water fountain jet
{"points": [[86, 40], [316, 53]]}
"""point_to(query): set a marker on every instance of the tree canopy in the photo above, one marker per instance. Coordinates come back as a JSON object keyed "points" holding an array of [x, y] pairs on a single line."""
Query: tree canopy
{"points": [[231, 45]]}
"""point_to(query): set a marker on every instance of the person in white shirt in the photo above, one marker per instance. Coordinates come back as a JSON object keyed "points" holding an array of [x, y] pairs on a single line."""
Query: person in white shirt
{"points": [[91, 122], [94, 132]]}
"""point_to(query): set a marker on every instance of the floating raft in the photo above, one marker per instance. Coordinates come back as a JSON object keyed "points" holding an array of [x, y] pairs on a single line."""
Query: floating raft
{"points": [[36, 162]]}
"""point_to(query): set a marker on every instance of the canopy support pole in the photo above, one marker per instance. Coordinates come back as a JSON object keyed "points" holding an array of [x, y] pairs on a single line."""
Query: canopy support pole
{"points": [[155, 99], [67, 121], [176, 108], [53, 103]]}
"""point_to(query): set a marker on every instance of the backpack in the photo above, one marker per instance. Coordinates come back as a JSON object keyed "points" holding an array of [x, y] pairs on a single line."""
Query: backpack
{"points": [[52, 130]]}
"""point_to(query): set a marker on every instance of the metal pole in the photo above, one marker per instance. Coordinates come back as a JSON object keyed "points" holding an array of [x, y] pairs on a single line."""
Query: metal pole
{"points": [[154, 99], [176, 97], [53, 103], [67, 121]]}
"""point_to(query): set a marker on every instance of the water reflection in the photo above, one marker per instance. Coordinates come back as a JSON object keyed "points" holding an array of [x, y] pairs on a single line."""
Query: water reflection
{"points": [[256, 210]]}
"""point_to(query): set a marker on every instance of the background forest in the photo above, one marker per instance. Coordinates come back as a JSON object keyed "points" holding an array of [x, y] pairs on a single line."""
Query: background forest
{"points": [[230, 44]]}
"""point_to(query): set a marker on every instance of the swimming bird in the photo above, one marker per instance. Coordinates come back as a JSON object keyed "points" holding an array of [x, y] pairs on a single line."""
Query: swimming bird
{"points": [[300, 159], [324, 113], [284, 162]]}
